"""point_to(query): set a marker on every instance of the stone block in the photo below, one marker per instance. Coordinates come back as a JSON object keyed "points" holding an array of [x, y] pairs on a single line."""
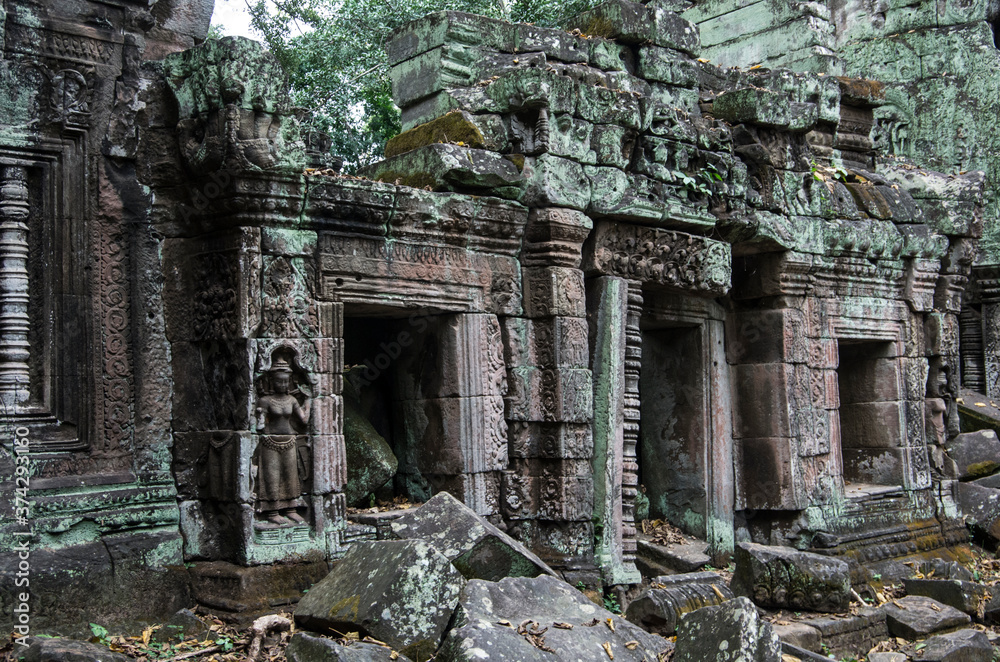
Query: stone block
{"points": [[551, 181], [555, 236], [454, 435], [786, 578], [569, 137], [753, 106], [666, 66], [477, 548], [57, 649], [981, 507], [977, 454], [961, 646], [555, 43], [767, 336], [305, 647], [608, 55], [918, 617], [602, 105], [879, 466], [617, 195], [801, 635], [730, 632], [881, 382], [533, 88], [763, 396], [446, 27], [369, 458], [671, 30], [659, 609], [613, 145], [550, 395], [401, 592], [872, 425], [765, 474], [553, 291], [622, 21], [962, 595], [458, 126], [535, 604], [445, 167], [685, 557], [550, 440]]}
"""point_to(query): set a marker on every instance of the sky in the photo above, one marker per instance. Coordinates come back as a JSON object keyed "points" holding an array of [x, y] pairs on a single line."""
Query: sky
{"points": [[233, 18]]}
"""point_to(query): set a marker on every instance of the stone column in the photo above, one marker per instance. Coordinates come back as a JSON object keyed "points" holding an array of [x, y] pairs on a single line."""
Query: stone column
{"points": [[630, 428], [14, 348]]}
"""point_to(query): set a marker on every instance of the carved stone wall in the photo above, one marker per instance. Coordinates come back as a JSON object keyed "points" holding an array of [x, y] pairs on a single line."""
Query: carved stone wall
{"points": [[180, 298]]}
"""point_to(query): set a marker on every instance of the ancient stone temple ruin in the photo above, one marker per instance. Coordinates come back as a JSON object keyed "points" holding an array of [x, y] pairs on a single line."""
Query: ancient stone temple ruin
{"points": [[598, 278]]}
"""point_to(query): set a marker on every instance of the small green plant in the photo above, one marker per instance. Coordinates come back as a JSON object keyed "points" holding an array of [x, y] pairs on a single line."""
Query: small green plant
{"points": [[100, 634], [877, 577], [611, 603], [371, 500], [580, 586], [225, 643]]}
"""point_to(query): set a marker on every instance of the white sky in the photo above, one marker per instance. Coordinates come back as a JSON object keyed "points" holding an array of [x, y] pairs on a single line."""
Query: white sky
{"points": [[233, 18]]}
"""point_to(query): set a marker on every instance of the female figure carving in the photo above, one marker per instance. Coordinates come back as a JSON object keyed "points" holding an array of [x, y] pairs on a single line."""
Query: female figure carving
{"points": [[280, 417]]}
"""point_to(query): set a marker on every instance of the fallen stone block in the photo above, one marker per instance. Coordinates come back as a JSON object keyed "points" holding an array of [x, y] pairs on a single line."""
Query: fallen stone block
{"points": [[887, 657], [305, 647], [962, 595], [401, 592], [981, 507], [659, 608], [844, 635], [541, 619], [916, 617], [682, 557], [68, 650], [977, 454], [961, 646], [787, 578], [731, 632], [477, 548], [370, 460], [801, 635]]}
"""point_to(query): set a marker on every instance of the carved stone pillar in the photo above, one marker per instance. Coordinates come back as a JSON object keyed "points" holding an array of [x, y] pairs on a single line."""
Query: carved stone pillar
{"points": [[630, 436], [14, 349]]}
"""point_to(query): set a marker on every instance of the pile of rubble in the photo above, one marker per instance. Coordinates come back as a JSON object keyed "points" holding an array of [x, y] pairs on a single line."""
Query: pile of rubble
{"points": [[451, 587]]}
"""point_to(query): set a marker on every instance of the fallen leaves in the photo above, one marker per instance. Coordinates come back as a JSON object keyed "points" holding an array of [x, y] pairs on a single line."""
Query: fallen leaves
{"points": [[607, 649]]}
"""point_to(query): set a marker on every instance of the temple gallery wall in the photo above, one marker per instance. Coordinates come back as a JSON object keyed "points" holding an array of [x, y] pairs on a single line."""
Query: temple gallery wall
{"points": [[597, 279]]}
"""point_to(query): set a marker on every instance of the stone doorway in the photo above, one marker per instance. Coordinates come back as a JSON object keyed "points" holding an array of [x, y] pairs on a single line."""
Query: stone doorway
{"points": [[872, 426], [428, 386], [674, 427]]}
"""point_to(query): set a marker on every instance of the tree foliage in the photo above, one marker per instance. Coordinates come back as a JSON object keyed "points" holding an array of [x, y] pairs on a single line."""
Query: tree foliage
{"points": [[334, 53]]}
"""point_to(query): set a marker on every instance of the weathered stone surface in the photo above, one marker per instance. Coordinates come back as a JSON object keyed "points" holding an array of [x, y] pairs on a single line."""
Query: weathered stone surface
{"points": [[477, 548], [753, 105], [731, 631], [683, 557], [962, 595], [961, 646], [981, 506], [887, 657], [305, 647], [445, 167], [799, 634], [659, 609], [476, 131], [788, 578], [402, 592], [370, 460], [68, 650], [918, 617], [976, 453], [550, 606]]}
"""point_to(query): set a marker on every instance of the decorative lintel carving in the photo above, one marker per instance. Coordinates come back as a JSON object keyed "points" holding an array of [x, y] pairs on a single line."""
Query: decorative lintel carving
{"points": [[665, 257]]}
